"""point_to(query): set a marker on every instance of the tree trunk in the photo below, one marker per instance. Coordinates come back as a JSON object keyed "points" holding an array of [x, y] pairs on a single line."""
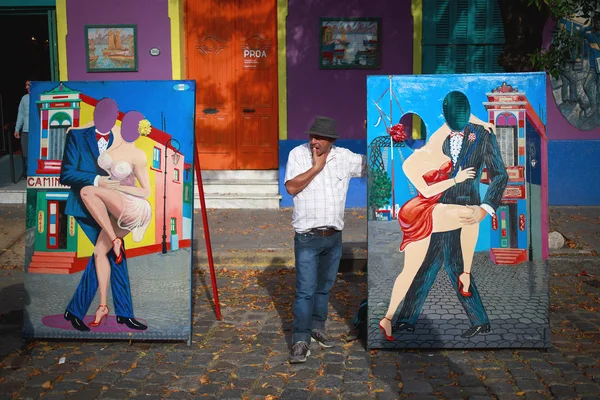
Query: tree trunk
{"points": [[523, 27]]}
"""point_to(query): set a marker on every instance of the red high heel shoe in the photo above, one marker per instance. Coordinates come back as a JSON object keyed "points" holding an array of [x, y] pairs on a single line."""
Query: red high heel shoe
{"points": [[384, 331], [461, 286], [120, 256], [103, 316]]}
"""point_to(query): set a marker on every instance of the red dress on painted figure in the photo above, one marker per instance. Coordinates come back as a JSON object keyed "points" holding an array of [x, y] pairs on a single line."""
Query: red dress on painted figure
{"points": [[416, 215]]}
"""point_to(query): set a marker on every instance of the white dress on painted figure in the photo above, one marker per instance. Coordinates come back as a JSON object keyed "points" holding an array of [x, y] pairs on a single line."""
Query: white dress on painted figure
{"points": [[137, 212]]}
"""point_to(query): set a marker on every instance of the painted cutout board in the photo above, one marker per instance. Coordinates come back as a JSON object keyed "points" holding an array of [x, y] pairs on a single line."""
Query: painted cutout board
{"points": [[457, 194], [109, 210]]}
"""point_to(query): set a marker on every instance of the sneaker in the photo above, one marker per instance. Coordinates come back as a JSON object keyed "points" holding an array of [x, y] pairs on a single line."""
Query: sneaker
{"points": [[317, 335], [300, 352]]}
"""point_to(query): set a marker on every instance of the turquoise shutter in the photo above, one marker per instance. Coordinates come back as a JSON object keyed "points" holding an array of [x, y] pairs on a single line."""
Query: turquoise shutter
{"points": [[461, 36]]}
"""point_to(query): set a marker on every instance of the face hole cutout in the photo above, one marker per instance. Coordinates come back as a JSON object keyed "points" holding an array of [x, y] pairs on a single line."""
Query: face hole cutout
{"points": [[457, 110], [416, 132]]}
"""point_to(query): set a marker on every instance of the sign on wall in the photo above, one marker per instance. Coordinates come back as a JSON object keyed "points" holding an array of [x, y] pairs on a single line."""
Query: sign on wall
{"points": [[457, 211]]}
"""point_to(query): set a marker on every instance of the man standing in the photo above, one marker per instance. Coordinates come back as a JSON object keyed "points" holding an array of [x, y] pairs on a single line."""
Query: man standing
{"points": [[475, 147], [22, 127], [317, 177]]}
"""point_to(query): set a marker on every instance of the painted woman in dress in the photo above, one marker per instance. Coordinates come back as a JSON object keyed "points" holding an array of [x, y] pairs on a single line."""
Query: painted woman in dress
{"points": [[122, 208], [429, 169]]}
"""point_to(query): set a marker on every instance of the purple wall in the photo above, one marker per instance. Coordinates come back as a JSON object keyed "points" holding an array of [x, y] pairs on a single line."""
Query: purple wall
{"points": [[153, 30], [339, 94]]}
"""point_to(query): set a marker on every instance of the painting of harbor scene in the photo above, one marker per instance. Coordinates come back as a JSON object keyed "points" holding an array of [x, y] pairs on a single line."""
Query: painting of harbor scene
{"points": [[111, 48], [350, 43]]}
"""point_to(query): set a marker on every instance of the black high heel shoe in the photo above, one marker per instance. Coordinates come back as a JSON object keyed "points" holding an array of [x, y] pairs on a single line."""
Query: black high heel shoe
{"points": [[132, 323], [76, 322]]}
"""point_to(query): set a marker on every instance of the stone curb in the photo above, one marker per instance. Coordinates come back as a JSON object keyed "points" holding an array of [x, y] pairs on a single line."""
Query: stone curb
{"points": [[264, 258]]}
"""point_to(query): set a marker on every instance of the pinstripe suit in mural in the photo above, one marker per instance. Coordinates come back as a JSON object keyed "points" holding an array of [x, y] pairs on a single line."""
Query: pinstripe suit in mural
{"points": [[478, 151]]}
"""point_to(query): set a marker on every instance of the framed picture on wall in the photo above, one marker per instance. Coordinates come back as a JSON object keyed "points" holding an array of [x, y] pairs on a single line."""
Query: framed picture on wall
{"points": [[111, 48], [350, 43]]}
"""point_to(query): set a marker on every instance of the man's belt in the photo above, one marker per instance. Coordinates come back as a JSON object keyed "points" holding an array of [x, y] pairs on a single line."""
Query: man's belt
{"points": [[322, 231]]}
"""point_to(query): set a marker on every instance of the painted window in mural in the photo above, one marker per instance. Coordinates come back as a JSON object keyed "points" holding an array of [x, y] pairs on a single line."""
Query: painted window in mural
{"points": [[460, 37], [173, 226], [156, 158], [59, 123]]}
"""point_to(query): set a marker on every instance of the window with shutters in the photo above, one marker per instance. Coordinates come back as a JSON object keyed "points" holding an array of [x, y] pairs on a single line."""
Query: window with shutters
{"points": [[461, 36]]}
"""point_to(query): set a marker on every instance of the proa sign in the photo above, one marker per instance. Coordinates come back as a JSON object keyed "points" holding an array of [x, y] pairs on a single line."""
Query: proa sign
{"points": [[256, 53]]}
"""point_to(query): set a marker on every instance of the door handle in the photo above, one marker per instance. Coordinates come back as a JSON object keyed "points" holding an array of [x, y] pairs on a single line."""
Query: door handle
{"points": [[249, 110], [210, 111]]}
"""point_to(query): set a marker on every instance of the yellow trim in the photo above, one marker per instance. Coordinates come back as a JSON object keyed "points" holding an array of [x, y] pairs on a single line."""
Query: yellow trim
{"points": [[176, 15], [416, 9], [282, 12], [417, 14], [61, 33]]}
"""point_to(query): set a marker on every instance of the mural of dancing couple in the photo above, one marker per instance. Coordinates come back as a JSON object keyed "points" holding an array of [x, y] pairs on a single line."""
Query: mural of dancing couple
{"points": [[458, 211], [109, 210]]}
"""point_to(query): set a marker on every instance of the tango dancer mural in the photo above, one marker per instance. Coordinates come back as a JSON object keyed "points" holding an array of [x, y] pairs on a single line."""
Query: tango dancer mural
{"points": [[456, 256], [109, 210]]}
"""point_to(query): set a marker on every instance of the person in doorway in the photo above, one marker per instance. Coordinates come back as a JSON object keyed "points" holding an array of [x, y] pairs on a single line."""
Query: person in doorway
{"points": [[22, 126], [317, 177]]}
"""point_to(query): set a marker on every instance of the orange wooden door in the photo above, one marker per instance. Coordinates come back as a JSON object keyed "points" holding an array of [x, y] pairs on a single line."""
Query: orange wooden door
{"points": [[231, 49]]}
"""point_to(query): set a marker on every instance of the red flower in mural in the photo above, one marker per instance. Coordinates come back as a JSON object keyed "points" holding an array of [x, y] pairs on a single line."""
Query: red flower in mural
{"points": [[397, 133]]}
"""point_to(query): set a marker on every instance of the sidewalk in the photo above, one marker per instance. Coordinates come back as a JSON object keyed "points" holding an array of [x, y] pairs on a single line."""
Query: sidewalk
{"points": [[261, 238], [244, 356]]}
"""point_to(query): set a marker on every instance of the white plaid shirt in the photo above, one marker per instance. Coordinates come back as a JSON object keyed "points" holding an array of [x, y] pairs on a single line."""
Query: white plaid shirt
{"points": [[322, 202]]}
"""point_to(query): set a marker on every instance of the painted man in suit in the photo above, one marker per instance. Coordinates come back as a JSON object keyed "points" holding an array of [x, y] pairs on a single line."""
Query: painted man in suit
{"points": [[80, 169], [473, 147]]}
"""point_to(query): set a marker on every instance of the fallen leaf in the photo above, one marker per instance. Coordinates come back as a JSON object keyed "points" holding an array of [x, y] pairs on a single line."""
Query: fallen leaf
{"points": [[520, 394], [204, 380], [47, 385], [400, 385]]}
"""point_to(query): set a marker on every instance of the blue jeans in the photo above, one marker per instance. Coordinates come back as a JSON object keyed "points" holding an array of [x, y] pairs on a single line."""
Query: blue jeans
{"points": [[317, 263]]}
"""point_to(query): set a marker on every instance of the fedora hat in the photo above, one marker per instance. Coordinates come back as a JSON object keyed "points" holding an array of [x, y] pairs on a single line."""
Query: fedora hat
{"points": [[323, 126]]}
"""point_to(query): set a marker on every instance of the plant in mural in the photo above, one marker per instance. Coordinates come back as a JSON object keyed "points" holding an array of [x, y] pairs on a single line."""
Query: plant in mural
{"points": [[380, 189]]}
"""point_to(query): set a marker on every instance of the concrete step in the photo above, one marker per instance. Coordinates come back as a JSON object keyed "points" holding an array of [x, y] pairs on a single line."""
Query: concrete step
{"points": [[241, 201], [13, 196], [238, 186], [268, 175]]}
